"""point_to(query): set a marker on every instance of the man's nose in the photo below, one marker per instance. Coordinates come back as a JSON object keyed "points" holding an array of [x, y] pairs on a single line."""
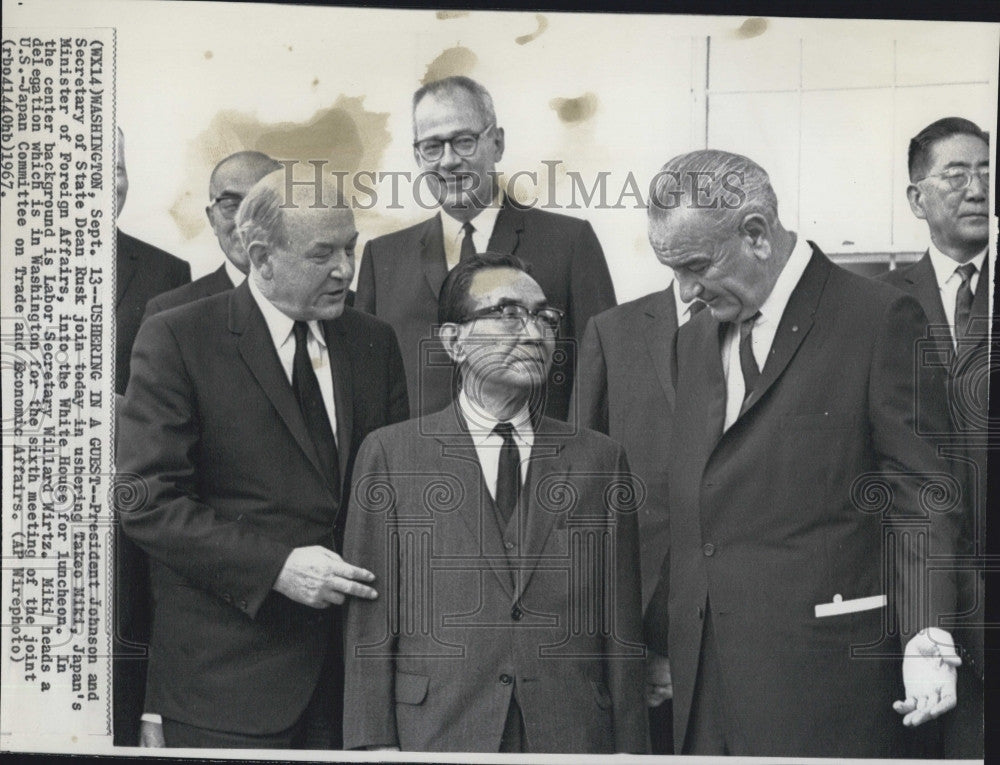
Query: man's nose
{"points": [[449, 159], [343, 267], [977, 188], [690, 288]]}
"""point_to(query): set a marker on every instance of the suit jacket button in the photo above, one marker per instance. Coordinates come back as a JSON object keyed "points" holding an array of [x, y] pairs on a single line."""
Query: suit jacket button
{"points": [[701, 612], [509, 545], [228, 598], [709, 550], [243, 605], [516, 613], [506, 679]]}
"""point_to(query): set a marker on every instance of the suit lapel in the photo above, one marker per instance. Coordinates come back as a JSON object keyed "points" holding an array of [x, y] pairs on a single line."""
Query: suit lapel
{"points": [[341, 369], [707, 378], [258, 352], [538, 520], [927, 292], [795, 323], [477, 510], [981, 301], [659, 336], [432, 259], [125, 260], [507, 230]]}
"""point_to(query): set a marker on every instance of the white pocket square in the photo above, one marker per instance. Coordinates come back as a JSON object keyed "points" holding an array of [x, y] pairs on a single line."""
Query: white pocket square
{"points": [[841, 606]]}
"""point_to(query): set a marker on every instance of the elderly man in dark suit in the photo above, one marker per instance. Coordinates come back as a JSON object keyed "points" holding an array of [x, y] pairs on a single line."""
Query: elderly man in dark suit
{"points": [[949, 164], [142, 272], [796, 479], [457, 143], [241, 424], [230, 181], [504, 548]]}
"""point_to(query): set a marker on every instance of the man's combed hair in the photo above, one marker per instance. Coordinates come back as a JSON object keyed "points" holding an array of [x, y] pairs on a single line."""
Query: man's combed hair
{"points": [[259, 217], [254, 159], [731, 185], [452, 85], [453, 303], [919, 155]]}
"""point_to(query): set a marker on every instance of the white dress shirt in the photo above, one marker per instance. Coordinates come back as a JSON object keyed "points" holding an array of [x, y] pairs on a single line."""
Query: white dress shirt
{"points": [[764, 329], [488, 443], [949, 282], [280, 327], [235, 275], [482, 224]]}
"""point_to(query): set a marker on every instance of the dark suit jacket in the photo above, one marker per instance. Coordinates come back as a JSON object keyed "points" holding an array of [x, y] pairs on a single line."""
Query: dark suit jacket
{"points": [[968, 384], [462, 622], [143, 272], [789, 508], [624, 389], [230, 484], [209, 284], [401, 275]]}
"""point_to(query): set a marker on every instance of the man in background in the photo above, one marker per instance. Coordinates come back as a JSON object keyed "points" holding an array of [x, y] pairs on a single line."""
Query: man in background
{"points": [[243, 541], [457, 143], [796, 398], [143, 271], [949, 163], [231, 179]]}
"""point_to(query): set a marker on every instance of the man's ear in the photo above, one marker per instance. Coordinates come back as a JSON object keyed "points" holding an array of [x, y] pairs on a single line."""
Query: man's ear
{"points": [[451, 338], [499, 144], [756, 231], [916, 199], [260, 258]]}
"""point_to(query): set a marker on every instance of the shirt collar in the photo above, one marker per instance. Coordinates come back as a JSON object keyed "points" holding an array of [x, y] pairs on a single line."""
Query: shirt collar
{"points": [[788, 279], [944, 267], [235, 275], [483, 223], [481, 424], [279, 324]]}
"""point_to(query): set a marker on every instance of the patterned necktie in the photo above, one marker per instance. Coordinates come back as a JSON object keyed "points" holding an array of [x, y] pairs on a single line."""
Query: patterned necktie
{"points": [[748, 364], [307, 393], [468, 246], [963, 301], [508, 473]]}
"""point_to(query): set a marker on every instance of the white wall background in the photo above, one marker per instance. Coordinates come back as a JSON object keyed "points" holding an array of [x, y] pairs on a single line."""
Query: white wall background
{"points": [[827, 106]]}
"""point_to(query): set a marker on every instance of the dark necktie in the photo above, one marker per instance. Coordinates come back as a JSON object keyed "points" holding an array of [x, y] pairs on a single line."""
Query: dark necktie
{"points": [[696, 307], [468, 246], [963, 301], [748, 364], [508, 473], [307, 393]]}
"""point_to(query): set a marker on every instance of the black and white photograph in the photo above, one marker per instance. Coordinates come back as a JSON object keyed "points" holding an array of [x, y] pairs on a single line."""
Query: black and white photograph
{"points": [[397, 384]]}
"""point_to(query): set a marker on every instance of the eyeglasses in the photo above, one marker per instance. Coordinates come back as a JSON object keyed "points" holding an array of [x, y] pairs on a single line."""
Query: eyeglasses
{"points": [[228, 204], [960, 178], [463, 144], [516, 316]]}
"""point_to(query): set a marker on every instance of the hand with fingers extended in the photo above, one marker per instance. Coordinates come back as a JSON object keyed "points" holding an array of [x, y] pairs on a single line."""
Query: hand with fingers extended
{"points": [[659, 684], [930, 676], [318, 577]]}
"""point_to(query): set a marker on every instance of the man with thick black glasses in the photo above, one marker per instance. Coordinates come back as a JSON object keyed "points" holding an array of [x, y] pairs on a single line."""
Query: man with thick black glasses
{"points": [[505, 553], [457, 144]]}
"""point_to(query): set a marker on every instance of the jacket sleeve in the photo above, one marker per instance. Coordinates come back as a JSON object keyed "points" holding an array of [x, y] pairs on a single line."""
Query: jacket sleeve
{"points": [[591, 289], [624, 647], [364, 298], [156, 495], [590, 389], [907, 407], [369, 633]]}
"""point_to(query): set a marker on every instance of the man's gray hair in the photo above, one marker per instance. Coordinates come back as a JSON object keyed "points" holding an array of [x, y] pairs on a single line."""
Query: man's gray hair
{"points": [[729, 185], [458, 83], [260, 218]]}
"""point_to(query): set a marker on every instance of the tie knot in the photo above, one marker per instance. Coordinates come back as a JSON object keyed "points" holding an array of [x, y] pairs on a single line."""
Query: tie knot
{"points": [[966, 271], [301, 332], [468, 228], [505, 430]]}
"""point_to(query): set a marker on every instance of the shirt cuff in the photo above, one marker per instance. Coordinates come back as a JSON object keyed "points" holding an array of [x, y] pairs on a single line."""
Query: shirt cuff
{"points": [[151, 718]]}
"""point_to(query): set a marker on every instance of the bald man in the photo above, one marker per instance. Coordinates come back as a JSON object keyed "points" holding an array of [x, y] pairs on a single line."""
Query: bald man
{"points": [[231, 179]]}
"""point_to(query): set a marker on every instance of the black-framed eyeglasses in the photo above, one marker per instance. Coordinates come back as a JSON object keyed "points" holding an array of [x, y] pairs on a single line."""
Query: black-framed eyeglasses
{"points": [[516, 316], [960, 178], [463, 144], [228, 204]]}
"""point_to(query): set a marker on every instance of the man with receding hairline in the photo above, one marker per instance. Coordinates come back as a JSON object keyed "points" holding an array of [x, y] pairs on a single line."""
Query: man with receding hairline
{"points": [[457, 142], [243, 541], [230, 181], [795, 396]]}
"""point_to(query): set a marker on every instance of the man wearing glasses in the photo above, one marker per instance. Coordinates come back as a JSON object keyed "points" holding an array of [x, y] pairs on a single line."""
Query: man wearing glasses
{"points": [[949, 164], [504, 549], [231, 179], [457, 143]]}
